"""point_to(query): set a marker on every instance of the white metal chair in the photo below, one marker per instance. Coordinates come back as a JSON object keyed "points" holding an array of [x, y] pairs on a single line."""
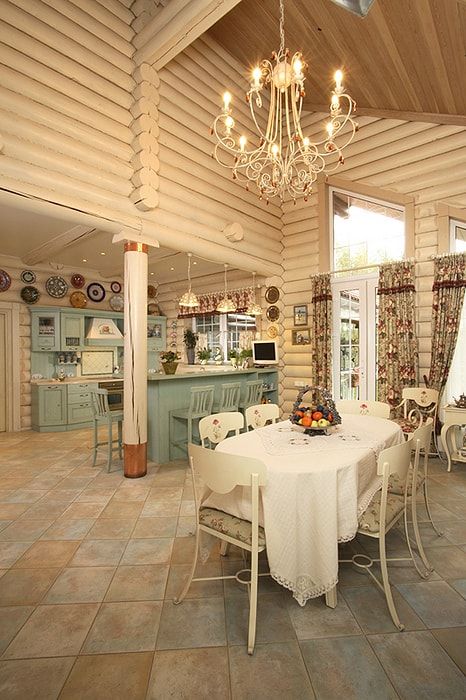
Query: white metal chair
{"points": [[200, 405], [221, 473], [384, 512], [260, 415], [416, 406], [253, 394], [215, 428], [104, 416], [229, 397], [364, 408]]}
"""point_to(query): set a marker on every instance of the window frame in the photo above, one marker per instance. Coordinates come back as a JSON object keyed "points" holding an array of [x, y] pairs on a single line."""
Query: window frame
{"points": [[224, 344]]}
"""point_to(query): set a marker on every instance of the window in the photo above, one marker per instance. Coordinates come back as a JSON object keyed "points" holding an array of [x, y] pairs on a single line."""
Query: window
{"points": [[224, 330], [456, 384]]}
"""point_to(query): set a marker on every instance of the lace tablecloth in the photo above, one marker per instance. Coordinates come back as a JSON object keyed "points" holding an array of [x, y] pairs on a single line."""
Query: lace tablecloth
{"points": [[316, 489]]}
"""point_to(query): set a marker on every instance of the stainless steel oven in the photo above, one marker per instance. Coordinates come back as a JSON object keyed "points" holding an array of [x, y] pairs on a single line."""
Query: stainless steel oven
{"points": [[115, 394]]}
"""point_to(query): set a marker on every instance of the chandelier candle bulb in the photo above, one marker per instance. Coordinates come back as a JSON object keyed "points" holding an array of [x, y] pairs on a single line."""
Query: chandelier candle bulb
{"points": [[242, 143], [338, 80], [226, 101], [256, 76]]}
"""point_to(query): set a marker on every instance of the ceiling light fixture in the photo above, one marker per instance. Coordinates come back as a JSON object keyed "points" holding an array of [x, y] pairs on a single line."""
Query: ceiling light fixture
{"points": [[84, 259], [102, 252], [253, 308], [189, 298], [286, 162], [226, 304]]}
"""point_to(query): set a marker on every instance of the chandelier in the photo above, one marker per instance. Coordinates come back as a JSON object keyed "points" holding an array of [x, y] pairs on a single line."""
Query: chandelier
{"points": [[189, 298], [286, 162], [226, 304], [254, 309]]}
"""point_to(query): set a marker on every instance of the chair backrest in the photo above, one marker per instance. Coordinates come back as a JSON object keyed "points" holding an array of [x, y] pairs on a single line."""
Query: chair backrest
{"points": [[419, 403], [423, 437], [253, 393], [222, 472], [257, 416], [216, 427], [201, 401], [395, 459], [229, 398], [99, 403], [364, 408]]}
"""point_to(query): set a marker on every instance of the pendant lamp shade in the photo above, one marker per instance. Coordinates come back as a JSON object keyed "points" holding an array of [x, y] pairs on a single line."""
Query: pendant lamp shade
{"points": [[226, 304], [253, 308], [189, 299]]}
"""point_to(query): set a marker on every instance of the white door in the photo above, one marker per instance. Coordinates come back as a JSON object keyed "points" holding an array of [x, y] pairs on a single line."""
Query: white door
{"points": [[2, 373], [354, 337]]}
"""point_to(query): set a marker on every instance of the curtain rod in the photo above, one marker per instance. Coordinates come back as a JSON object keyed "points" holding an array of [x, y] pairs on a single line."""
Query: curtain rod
{"points": [[429, 258]]}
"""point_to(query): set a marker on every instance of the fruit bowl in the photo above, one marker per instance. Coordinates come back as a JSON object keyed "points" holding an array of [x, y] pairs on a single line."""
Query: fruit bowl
{"points": [[314, 412]]}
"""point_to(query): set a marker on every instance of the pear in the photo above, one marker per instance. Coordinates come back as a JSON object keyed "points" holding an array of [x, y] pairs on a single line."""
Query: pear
{"points": [[314, 424]]}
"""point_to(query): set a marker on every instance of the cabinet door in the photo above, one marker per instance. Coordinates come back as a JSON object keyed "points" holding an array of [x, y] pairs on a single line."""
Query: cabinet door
{"points": [[80, 413], [156, 333], [45, 331], [52, 405], [72, 332]]}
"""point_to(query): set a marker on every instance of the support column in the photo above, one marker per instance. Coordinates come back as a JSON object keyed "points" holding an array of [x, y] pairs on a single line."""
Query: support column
{"points": [[135, 362]]}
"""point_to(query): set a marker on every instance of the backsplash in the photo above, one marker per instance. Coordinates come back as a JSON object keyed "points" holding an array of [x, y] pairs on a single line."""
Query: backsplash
{"points": [[97, 362]]}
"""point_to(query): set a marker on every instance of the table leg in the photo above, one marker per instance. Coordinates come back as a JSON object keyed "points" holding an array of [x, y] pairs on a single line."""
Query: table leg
{"points": [[331, 598], [446, 445]]}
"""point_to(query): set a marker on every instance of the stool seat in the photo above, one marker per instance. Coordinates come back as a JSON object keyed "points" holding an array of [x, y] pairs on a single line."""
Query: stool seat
{"points": [[104, 416], [200, 405]]}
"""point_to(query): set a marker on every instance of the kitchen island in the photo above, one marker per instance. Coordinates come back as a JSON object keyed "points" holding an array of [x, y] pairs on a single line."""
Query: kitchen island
{"points": [[168, 392]]}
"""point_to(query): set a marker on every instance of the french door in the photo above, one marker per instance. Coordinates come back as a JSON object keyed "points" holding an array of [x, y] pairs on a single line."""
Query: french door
{"points": [[354, 337]]}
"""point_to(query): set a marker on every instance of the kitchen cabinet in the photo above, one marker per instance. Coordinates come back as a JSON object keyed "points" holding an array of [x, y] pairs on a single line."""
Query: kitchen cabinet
{"points": [[49, 407], [80, 403], [71, 331], [45, 331]]}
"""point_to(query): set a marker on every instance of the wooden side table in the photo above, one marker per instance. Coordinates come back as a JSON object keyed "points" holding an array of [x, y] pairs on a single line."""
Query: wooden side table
{"points": [[454, 418]]}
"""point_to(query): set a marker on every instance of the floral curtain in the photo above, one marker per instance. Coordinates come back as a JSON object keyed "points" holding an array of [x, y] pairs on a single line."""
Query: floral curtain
{"points": [[208, 303], [448, 289], [321, 330], [397, 353]]}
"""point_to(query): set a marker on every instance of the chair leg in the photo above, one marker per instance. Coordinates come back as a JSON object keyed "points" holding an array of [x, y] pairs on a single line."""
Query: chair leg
{"points": [[120, 439], [190, 431], [426, 502], [422, 574], [386, 585], [109, 447], [417, 535], [96, 435], [253, 601], [181, 597], [224, 548]]}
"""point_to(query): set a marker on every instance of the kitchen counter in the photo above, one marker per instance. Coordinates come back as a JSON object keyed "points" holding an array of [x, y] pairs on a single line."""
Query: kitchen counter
{"points": [[88, 379]]}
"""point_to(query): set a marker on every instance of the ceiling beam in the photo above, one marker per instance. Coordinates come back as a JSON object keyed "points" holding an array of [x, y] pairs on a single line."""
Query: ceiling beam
{"points": [[430, 117], [175, 27], [47, 250]]}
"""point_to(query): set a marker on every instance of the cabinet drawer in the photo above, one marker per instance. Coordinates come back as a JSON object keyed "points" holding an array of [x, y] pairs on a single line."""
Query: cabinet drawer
{"points": [[83, 397], [80, 413], [81, 388]]}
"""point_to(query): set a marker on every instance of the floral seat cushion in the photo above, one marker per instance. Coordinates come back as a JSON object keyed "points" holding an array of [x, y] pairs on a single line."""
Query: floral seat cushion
{"points": [[396, 485], [369, 521], [406, 425], [229, 525]]}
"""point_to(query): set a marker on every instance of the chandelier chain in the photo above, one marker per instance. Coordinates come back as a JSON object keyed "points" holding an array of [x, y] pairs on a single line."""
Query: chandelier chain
{"points": [[282, 26]]}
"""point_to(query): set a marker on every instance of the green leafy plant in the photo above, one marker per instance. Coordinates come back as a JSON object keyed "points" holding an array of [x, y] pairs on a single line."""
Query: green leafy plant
{"points": [[232, 354], [204, 354], [190, 338], [169, 356], [246, 352]]}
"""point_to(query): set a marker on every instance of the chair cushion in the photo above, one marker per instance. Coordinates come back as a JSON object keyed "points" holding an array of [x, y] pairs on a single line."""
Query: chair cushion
{"points": [[370, 519], [229, 525], [396, 485], [406, 425]]}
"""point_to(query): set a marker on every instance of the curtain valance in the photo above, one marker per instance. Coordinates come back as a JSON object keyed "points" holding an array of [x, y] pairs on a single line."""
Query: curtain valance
{"points": [[242, 298]]}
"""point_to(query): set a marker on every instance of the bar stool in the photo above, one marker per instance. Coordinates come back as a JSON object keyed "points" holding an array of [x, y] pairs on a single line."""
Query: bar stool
{"points": [[252, 396], [104, 416], [200, 405], [229, 398]]}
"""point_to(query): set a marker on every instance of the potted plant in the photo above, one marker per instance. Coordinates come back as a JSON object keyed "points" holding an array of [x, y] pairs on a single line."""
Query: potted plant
{"points": [[246, 357], [190, 339], [203, 354], [169, 360], [233, 357]]}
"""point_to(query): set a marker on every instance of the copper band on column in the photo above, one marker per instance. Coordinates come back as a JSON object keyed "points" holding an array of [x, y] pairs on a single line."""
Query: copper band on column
{"points": [[135, 460], [138, 247]]}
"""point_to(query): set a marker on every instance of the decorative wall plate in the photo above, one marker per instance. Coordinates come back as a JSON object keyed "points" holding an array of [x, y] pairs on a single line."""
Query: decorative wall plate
{"points": [[56, 287], [28, 276], [77, 281], [151, 291], [95, 291], [273, 313], [115, 287], [78, 300], [153, 309], [5, 280], [272, 331], [272, 295], [117, 302], [30, 294]]}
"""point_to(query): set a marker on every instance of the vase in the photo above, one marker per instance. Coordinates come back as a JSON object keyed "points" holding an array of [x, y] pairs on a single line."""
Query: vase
{"points": [[169, 367], [190, 354], [202, 362]]}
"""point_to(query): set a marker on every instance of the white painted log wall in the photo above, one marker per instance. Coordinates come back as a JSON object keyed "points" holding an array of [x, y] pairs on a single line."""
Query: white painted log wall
{"points": [[423, 160]]}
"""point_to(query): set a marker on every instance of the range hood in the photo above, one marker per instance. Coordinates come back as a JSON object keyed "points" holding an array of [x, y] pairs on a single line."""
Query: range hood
{"points": [[103, 329]]}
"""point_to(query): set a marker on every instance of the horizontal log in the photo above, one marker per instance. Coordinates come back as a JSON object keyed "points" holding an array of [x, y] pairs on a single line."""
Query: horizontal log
{"points": [[117, 7], [109, 19], [146, 176], [145, 72], [145, 159], [145, 124], [145, 198]]}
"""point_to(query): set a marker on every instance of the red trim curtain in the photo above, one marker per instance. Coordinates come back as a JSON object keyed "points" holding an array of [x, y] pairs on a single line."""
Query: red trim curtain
{"points": [[448, 288], [321, 331], [242, 298], [397, 351]]}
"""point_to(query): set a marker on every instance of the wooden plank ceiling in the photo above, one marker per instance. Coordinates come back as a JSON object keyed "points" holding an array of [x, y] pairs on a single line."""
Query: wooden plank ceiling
{"points": [[406, 56]]}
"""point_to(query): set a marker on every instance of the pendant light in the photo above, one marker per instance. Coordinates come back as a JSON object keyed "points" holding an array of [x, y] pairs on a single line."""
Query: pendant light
{"points": [[226, 304], [253, 308], [189, 299]]}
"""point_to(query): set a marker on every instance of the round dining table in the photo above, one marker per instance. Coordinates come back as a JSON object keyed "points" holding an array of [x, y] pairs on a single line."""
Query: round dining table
{"points": [[317, 487]]}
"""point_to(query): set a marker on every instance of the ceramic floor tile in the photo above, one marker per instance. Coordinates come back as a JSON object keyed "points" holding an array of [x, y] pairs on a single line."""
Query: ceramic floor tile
{"points": [[11, 552], [25, 586], [121, 510], [123, 627], [453, 640], [454, 532], [193, 623], [47, 554], [122, 495], [81, 585], [82, 510], [12, 618], [274, 672], [99, 553], [53, 630], [198, 589], [183, 550], [11, 511], [200, 673], [316, 619], [273, 620], [369, 607], [158, 509], [155, 527], [25, 530], [34, 679], [459, 585], [41, 511], [448, 562], [68, 529], [436, 603], [96, 496], [112, 529], [25, 496], [186, 526], [146, 551], [4, 524], [409, 659], [166, 494], [138, 583], [109, 677], [347, 668]]}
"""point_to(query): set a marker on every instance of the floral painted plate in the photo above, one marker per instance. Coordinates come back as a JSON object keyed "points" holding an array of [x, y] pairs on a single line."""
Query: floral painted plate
{"points": [[56, 287], [272, 331], [117, 302], [78, 300], [5, 280], [30, 294], [28, 276], [78, 281]]}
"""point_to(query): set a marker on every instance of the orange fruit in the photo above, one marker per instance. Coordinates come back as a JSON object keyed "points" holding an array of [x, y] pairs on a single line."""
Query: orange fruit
{"points": [[317, 415]]}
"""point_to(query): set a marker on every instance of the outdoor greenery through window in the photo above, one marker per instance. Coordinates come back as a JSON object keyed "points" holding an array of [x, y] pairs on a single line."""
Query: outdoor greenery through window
{"points": [[456, 384], [223, 330]]}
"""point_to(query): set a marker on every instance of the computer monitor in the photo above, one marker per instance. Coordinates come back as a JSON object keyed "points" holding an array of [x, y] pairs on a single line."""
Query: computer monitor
{"points": [[264, 352]]}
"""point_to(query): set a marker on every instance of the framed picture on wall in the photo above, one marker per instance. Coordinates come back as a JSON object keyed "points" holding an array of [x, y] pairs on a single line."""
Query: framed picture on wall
{"points": [[300, 315], [301, 337]]}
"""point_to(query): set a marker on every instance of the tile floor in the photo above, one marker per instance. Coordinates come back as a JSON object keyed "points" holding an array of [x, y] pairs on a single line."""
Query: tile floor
{"points": [[90, 562]]}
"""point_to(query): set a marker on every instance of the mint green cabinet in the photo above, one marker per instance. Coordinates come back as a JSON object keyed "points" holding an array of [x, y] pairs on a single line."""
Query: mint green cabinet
{"points": [[45, 331], [71, 331], [49, 407], [156, 333], [80, 403]]}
